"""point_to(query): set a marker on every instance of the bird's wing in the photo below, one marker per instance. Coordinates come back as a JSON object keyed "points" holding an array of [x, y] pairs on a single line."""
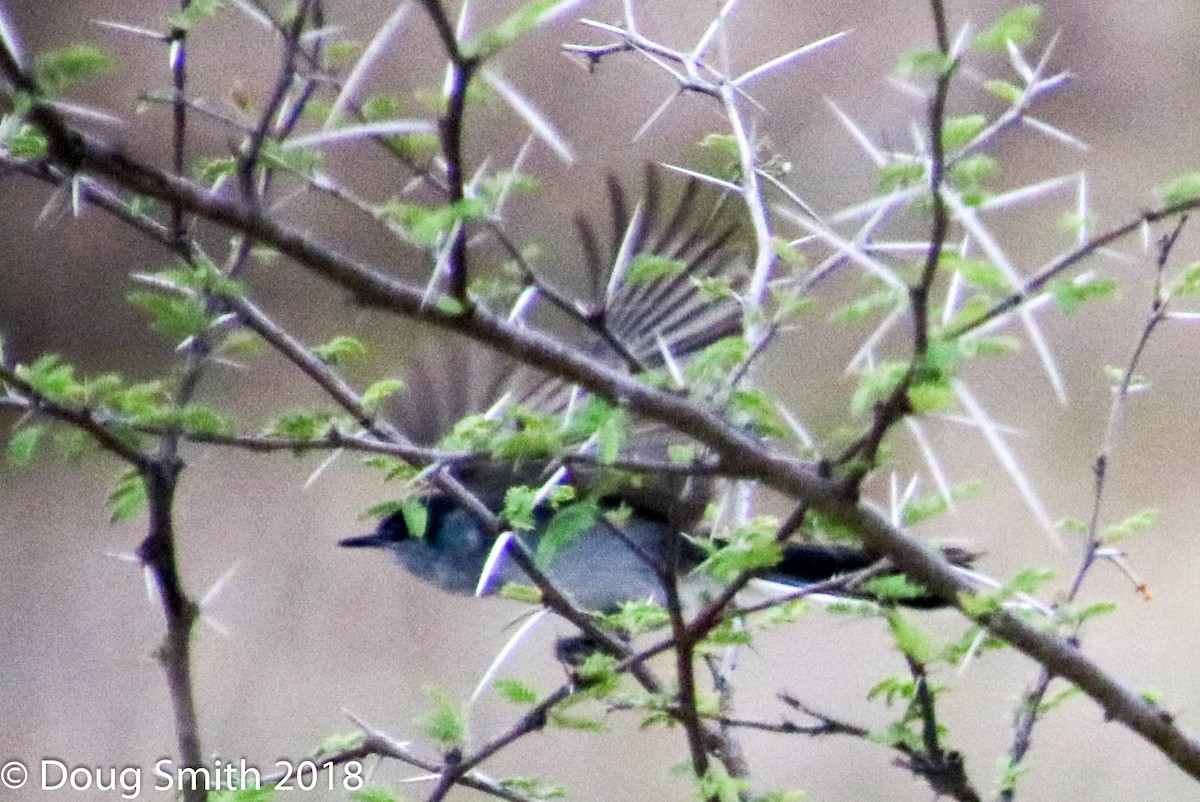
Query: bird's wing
{"points": [[645, 310]]}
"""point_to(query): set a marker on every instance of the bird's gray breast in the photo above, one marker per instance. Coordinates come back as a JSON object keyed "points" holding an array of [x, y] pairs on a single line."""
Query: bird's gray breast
{"points": [[602, 566]]}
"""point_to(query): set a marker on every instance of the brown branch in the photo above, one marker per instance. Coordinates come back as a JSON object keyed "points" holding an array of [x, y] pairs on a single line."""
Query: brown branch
{"points": [[380, 744], [450, 126], [742, 455], [1030, 710]]}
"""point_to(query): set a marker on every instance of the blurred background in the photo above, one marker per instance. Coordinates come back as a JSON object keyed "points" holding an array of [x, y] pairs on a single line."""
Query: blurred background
{"points": [[302, 631]]}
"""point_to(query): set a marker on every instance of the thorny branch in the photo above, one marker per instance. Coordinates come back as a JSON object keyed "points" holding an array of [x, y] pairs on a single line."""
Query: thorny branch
{"points": [[73, 153], [1031, 708]]}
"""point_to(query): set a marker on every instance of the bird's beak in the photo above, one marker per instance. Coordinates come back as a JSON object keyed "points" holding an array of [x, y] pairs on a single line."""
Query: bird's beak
{"points": [[373, 540]]}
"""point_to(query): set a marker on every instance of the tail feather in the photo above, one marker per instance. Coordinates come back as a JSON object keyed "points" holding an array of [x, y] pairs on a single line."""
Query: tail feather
{"points": [[809, 563]]}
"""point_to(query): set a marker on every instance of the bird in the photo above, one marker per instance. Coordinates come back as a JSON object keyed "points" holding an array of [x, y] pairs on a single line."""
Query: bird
{"points": [[605, 564], [618, 535]]}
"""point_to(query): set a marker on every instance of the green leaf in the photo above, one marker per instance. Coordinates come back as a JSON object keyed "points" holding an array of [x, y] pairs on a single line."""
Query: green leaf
{"points": [[868, 306], [472, 433], [451, 306], [717, 288], [598, 673], [301, 425], [340, 350], [567, 524], [1005, 90], [972, 173], [958, 131], [681, 453], [26, 142], [789, 256], [578, 723], [1094, 611], [210, 171], [199, 418], [1018, 26], [1181, 189], [379, 107], [876, 386], [177, 317], [755, 410], [129, 499], [893, 688], [898, 736], [338, 743], [607, 423], [718, 784], [560, 495], [512, 28], [1068, 295], [712, 365], [526, 433], [727, 633], [514, 183], [1116, 379], [1051, 702], [647, 267], [444, 723], [783, 795], [922, 508], [790, 304], [820, 526], [638, 616], [1010, 774], [425, 226], [23, 445], [196, 12], [1129, 527], [749, 547], [898, 174], [515, 691], [519, 503], [1028, 580], [1187, 281], [911, 639], [723, 149], [290, 159], [50, 376], [931, 395], [893, 588], [382, 510], [391, 467], [534, 789], [378, 393], [59, 69], [526, 594], [251, 793], [343, 53], [416, 517], [920, 63]]}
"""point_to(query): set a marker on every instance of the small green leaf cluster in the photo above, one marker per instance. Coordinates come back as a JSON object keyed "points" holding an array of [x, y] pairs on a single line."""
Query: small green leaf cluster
{"points": [[513, 27], [752, 546], [444, 724], [426, 225], [56, 71], [194, 13]]}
